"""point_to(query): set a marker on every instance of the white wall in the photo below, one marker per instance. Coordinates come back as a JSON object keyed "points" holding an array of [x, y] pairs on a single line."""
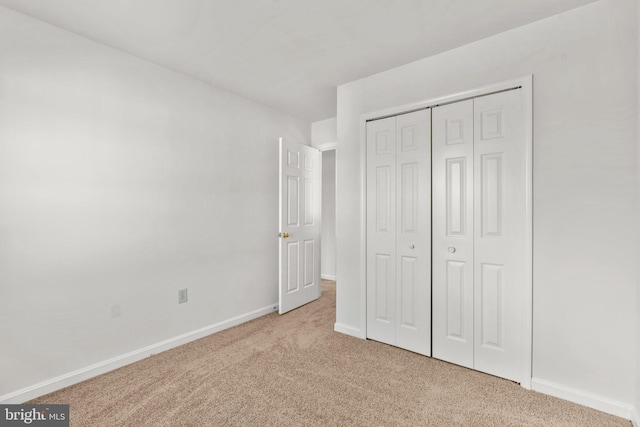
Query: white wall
{"points": [[121, 182], [637, 400], [585, 279], [328, 252], [324, 132]]}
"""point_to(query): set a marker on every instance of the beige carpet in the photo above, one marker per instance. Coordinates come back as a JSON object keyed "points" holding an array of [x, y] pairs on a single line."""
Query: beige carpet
{"points": [[294, 370]]}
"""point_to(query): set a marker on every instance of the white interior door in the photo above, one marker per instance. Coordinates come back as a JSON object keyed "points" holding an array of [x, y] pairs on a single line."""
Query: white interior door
{"points": [[479, 223], [300, 198], [499, 233], [399, 231], [381, 230], [452, 150]]}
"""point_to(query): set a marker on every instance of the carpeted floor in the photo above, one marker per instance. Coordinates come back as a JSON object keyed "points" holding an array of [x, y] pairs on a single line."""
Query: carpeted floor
{"points": [[294, 370]]}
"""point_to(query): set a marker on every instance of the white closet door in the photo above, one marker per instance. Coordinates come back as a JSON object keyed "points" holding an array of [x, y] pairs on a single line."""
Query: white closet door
{"points": [[381, 230], [413, 240], [499, 233], [452, 147], [479, 225], [399, 231]]}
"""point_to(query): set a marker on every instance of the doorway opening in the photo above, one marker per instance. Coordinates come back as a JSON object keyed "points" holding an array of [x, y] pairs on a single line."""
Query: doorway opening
{"points": [[328, 233]]}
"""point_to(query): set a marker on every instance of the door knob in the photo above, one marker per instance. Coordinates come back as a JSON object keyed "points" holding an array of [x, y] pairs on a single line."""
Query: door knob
{"points": [[411, 246], [283, 235], [451, 249]]}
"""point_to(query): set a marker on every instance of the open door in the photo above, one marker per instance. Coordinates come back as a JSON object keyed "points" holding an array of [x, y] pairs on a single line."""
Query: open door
{"points": [[299, 215]]}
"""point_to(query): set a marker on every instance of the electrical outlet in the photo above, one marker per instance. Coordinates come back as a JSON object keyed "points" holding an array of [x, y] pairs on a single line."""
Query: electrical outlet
{"points": [[182, 295]]}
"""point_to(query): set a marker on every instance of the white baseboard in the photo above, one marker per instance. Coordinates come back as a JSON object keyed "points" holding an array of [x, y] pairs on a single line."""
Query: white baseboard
{"points": [[100, 368], [635, 417], [328, 277], [348, 330], [584, 398]]}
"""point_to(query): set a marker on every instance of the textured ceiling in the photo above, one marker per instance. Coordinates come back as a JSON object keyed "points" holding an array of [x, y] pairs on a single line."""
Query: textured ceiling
{"points": [[288, 54]]}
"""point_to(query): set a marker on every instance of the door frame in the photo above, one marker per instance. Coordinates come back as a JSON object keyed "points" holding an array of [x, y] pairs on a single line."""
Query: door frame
{"points": [[525, 83], [329, 146]]}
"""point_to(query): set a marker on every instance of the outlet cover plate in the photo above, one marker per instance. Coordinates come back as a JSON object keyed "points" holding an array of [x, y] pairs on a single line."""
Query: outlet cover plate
{"points": [[182, 295]]}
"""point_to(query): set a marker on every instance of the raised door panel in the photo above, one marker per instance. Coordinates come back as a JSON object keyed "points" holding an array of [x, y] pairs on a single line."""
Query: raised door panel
{"points": [[383, 288], [309, 202], [491, 195], [381, 230], [293, 201], [413, 237], [293, 274], [455, 309], [452, 151], [309, 265], [409, 305], [456, 200], [409, 198], [492, 304], [293, 157], [499, 233], [384, 199]]}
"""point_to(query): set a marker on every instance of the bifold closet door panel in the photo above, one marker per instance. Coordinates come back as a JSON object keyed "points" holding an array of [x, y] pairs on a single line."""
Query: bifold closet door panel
{"points": [[499, 232], [479, 223], [399, 231], [413, 239], [452, 150], [381, 230]]}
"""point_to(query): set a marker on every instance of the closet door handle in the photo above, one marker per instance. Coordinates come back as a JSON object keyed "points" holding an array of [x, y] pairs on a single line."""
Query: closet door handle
{"points": [[451, 249], [411, 246]]}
